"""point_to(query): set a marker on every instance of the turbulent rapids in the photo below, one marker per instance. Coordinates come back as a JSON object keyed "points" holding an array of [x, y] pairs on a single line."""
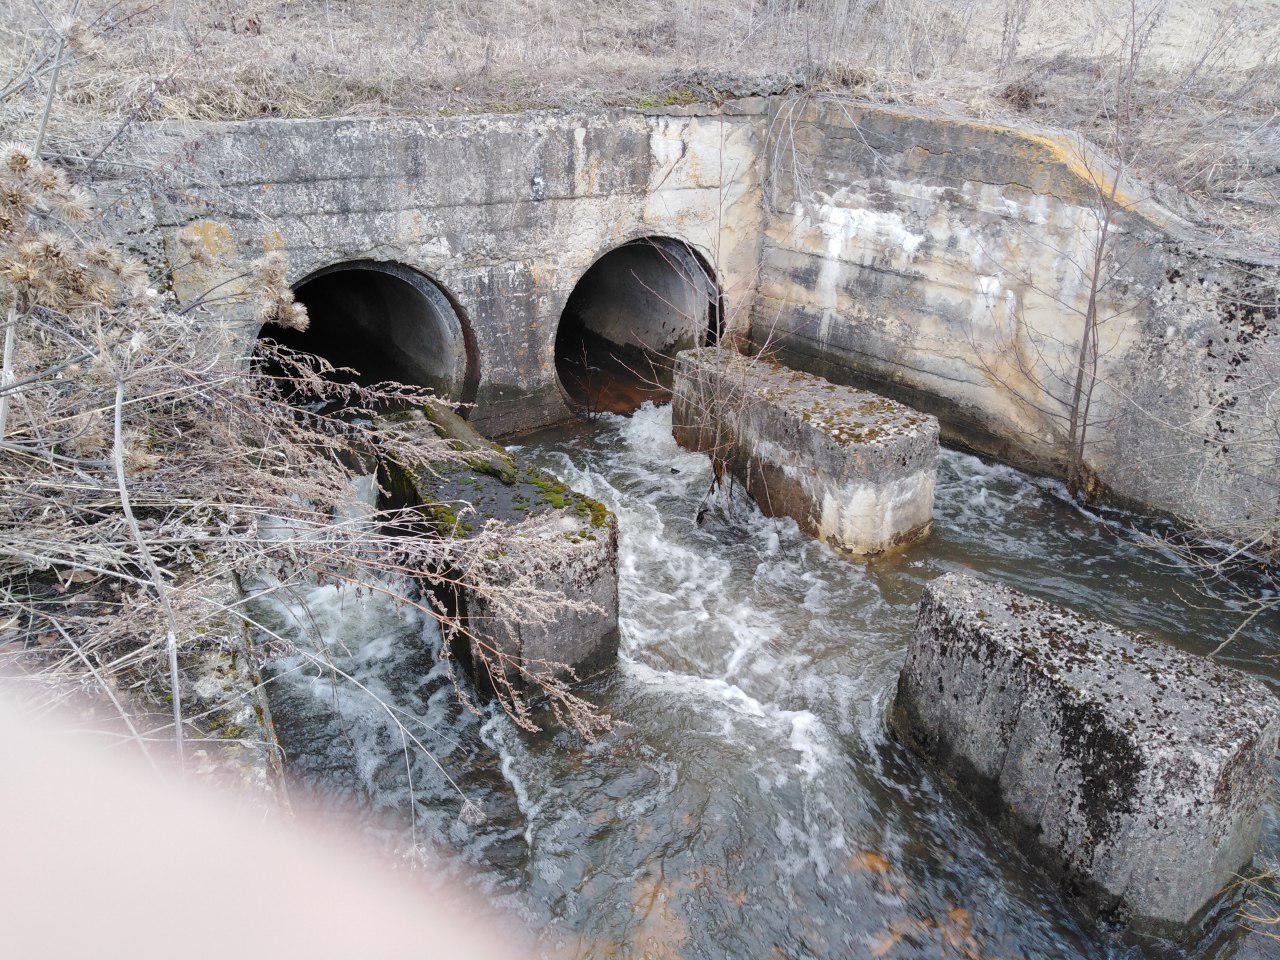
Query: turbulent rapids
{"points": [[751, 803]]}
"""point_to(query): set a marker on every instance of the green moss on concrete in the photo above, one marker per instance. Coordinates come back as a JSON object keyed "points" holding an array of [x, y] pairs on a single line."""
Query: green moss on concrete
{"points": [[489, 484], [460, 500]]}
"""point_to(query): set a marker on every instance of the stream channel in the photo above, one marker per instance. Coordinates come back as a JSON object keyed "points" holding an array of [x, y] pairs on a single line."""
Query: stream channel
{"points": [[751, 804]]}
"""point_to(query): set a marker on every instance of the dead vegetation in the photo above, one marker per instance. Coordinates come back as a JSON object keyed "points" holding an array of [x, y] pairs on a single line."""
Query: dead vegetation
{"points": [[1188, 91], [1261, 911], [1207, 86], [154, 480]]}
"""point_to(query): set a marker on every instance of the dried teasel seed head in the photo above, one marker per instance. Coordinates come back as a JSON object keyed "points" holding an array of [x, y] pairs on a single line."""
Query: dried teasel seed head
{"points": [[47, 248], [297, 317], [103, 256], [51, 179], [20, 275], [284, 311], [77, 279], [14, 197], [132, 275], [16, 158], [101, 293], [75, 204], [79, 37], [278, 306], [271, 269]]}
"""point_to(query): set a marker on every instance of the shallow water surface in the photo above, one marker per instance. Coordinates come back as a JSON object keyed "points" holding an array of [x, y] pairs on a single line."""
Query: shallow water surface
{"points": [[750, 804]]}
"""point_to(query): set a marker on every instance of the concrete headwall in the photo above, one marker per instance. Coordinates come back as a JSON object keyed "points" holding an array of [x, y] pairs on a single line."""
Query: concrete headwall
{"points": [[504, 212], [944, 262], [949, 263]]}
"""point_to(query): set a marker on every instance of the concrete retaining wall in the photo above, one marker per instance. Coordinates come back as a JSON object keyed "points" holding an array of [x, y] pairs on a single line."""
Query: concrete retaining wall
{"points": [[1138, 770], [947, 262], [505, 212], [937, 260]]}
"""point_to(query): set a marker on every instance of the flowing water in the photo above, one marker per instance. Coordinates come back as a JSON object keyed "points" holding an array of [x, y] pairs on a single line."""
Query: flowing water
{"points": [[751, 803]]}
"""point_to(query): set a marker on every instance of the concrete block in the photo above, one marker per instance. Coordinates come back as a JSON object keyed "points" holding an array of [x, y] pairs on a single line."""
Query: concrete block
{"points": [[852, 468], [585, 640], [459, 500], [1138, 771]]}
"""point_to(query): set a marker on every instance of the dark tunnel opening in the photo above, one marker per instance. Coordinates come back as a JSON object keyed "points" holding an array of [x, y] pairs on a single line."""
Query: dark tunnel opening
{"points": [[627, 318], [384, 321]]}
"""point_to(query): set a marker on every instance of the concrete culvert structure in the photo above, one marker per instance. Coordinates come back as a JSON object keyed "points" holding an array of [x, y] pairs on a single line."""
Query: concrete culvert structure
{"points": [[632, 311], [387, 322]]}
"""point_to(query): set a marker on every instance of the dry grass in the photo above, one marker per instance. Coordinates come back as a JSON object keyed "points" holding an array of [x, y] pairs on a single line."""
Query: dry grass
{"points": [[1209, 85]]}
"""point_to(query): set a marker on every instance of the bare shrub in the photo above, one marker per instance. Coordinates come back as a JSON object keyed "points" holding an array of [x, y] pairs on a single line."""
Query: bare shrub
{"points": [[714, 410], [1022, 95], [147, 470]]}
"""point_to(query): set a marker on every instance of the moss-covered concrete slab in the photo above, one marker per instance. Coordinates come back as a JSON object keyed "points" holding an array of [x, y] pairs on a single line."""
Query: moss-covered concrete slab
{"points": [[492, 485]]}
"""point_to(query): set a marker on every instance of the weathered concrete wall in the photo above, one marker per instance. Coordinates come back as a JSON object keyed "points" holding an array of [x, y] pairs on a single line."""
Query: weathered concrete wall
{"points": [[948, 263], [504, 212], [1140, 770], [852, 468], [944, 262]]}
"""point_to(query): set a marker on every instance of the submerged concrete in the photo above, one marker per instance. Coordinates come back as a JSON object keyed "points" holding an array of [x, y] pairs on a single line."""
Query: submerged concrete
{"points": [[1140, 771], [853, 469]]}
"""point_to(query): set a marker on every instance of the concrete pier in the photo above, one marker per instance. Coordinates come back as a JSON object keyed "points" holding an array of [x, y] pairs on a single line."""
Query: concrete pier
{"points": [[458, 501], [852, 468], [1138, 771]]}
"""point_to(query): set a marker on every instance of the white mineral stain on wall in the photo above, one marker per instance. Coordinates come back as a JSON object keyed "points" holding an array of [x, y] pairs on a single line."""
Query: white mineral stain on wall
{"points": [[437, 248], [991, 198], [857, 234], [583, 177], [998, 290], [704, 188], [868, 518], [987, 295], [844, 233], [667, 146], [927, 193]]}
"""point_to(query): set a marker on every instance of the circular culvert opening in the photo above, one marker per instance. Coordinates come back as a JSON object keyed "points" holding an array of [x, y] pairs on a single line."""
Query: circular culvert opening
{"points": [[383, 321], [627, 318]]}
